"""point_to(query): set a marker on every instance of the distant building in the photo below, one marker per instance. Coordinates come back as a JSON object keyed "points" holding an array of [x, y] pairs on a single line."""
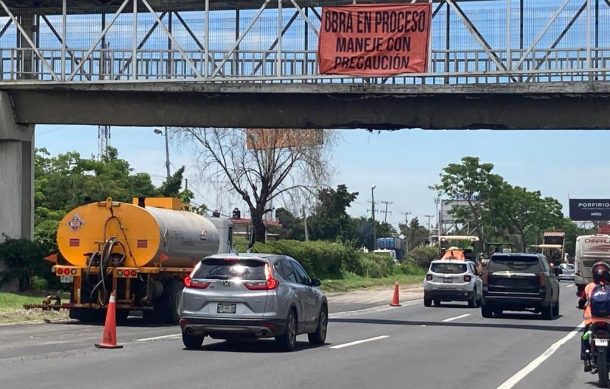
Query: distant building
{"points": [[242, 226]]}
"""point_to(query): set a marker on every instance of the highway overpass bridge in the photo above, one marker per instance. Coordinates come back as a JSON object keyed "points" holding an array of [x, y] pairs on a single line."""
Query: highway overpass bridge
{"points": [[497, 64]]}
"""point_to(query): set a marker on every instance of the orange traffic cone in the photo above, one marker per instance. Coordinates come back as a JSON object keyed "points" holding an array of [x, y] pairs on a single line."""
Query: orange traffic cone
{"points": [[109, 334], [395, 300]]}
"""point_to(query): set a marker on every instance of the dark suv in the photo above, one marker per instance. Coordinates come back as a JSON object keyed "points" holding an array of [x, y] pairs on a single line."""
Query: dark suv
{"points": [[519, 281]]}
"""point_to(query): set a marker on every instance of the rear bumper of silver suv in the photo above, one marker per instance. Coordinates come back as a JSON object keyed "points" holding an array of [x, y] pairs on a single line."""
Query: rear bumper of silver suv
{"points": [[233, 328], [448, 294]]}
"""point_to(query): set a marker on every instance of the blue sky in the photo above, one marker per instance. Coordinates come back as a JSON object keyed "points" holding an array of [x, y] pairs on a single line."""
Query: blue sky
{"points": [[401, 164]]}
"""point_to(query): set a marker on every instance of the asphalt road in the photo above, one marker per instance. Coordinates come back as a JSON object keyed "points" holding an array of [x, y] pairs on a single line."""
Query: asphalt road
{"points": [[411, 346]]}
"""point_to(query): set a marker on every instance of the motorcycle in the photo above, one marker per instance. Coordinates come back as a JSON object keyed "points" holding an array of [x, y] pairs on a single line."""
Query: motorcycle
{"points": [[600, 358]]}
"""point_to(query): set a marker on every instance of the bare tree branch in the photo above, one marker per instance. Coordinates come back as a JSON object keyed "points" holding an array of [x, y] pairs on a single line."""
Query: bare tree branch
{"points": [[259, 165]]}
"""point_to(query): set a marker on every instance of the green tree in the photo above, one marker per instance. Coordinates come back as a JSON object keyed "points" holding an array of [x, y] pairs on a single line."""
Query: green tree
{"points": [[414, 233], [292, 226], [22, 259], [521, 211], [172, 185], [67, 181], [364, 231], [330, 220], [473, 182]]}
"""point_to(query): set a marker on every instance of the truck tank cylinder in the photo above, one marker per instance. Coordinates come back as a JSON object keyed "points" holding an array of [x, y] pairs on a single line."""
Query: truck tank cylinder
{"points": [[148, 236]]}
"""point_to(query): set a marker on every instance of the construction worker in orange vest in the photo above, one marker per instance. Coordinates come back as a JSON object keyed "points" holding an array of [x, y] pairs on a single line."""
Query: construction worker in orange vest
{"points": [[601, 275]]}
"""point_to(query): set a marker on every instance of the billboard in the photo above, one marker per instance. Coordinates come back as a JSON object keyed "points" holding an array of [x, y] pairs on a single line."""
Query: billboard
{"points": [[277, 138], [374, 40], [447, 207], [589, 209]]}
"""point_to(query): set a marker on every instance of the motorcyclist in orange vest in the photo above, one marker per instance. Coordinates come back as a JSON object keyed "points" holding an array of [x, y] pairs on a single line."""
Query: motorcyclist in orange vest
{"points": [[601, 275]]}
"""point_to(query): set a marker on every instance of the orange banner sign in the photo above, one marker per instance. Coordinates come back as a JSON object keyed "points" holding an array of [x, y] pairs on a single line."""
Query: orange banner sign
{"points": [[374, 40]]}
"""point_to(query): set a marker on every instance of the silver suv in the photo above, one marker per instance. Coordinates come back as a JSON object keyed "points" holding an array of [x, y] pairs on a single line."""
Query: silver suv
{"points": [[452, 280], [235, 296]]}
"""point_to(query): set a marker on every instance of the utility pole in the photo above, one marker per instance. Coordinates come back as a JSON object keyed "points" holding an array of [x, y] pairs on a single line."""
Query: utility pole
{"points": [[429, 227], [406, 229], [406, 219], [385, 217], [437, 202], [158, 131], [103, 141], [373, 217], [305, 224]]}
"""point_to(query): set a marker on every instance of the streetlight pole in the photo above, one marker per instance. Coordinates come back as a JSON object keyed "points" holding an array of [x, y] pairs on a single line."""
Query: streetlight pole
{"points": [[158, 131], [373, 214], [437, 201]]}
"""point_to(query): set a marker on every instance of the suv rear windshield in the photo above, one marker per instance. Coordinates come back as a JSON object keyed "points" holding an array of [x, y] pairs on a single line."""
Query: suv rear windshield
{"points": [[228, 268], [448, 268], [514, 263]]}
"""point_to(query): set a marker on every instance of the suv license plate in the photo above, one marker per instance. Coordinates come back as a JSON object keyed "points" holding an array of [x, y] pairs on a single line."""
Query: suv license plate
{"points": [[601, 342], [226, 308], [447, 280], [66, 279]]}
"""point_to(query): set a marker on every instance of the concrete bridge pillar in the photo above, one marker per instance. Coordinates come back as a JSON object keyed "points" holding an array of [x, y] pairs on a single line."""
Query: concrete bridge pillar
{"points": [[16, 174]]}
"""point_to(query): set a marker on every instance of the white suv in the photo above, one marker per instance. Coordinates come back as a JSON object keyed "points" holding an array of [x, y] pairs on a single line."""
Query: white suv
{"points": [[452, 280]]}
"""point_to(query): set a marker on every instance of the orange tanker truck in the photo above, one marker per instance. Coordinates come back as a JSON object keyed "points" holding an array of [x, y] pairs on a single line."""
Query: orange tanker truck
{"points": [[142, 251]]}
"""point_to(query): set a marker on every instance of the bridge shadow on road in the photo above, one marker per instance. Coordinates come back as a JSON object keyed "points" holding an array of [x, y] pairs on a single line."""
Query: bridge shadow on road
{"points": [[488, 324]]}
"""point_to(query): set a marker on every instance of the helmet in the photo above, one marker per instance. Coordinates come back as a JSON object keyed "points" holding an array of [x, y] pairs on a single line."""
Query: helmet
{"points": [[601, 272]]}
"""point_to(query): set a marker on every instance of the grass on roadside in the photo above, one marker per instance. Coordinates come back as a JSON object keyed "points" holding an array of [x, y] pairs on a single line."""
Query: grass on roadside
{"points": [[354, 282], [16, 300], [11, 308]]}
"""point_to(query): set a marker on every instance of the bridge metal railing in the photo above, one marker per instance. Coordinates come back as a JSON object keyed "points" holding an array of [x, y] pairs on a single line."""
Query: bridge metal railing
{"points": [[469, 66]]}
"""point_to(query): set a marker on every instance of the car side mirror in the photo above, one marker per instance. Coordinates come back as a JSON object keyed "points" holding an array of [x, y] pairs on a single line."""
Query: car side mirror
{"points": [[315, 282]]}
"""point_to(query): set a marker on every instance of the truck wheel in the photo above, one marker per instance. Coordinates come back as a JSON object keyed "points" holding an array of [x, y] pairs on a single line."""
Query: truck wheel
{"points": [[121, 316], [160, 312], [174, 290], [427, 302], [165, 307]]}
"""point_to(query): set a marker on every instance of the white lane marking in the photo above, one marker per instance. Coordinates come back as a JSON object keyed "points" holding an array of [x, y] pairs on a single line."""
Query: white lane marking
{"points": [[512, 381], [569, 286], [359, 342], [457, 317], [160, 337]]}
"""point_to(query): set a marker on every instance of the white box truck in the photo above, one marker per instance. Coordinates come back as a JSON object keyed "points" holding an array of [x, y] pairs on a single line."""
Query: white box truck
{"points": [[589, 249]]}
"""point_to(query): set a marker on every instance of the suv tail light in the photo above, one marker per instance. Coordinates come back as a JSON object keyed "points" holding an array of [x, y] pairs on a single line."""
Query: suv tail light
{"points": [[542, 280], [429, 277], [467, 278], [269, 283], [195, 284]]}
